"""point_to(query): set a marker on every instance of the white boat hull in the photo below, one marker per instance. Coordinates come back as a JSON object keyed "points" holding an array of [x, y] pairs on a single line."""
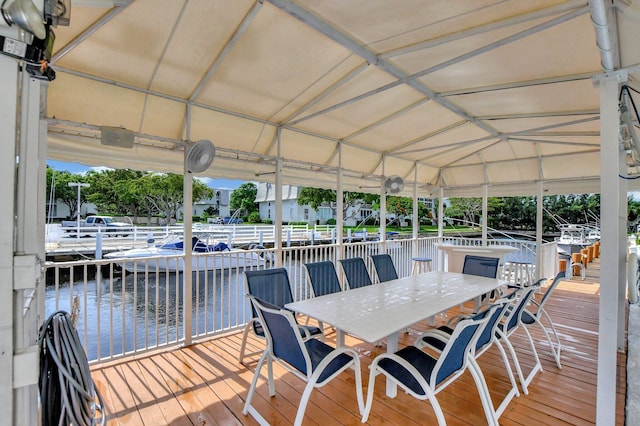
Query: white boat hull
{"points": [[160, 260]]}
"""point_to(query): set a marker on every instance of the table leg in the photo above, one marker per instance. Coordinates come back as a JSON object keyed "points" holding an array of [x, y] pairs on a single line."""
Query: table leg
{"points": [[392, 347], [339, 338]]}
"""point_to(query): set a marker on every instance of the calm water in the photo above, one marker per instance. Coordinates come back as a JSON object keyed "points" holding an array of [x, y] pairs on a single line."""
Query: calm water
{"points": [[137, 314], [121, 313]]}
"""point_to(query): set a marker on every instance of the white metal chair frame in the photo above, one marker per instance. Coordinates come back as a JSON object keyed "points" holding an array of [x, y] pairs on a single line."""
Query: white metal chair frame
{"points": [[432, 385], [254, 322], [322, 356], [486, 339], [535, 317], [512, 321]]}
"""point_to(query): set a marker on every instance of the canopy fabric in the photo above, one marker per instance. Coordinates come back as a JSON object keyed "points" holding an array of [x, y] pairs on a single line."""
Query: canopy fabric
{"points": [[453, 94]]}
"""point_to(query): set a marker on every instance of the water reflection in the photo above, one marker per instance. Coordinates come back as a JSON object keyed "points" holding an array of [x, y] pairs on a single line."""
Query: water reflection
{"points": [[120, 314]]}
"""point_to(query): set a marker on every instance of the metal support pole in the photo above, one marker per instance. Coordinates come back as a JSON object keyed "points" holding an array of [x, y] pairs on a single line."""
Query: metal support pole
{"points": [[610, 249]]}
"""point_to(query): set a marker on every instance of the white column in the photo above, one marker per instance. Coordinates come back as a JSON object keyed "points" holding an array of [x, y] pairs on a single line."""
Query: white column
{"points": [[383, 213], [485, 213], [440, 225], [610, 252], [340, 206], [8, 88], [278, 201], [187, 212], [415, 220], [539, 224]]}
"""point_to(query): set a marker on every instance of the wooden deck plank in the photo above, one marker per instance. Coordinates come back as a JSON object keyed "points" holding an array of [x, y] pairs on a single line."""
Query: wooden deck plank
{"points": [[205, 384]]}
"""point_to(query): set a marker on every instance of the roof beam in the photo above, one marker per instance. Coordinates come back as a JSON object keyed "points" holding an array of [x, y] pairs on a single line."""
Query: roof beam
{"points": [[121, 6], [386, 119], [403, 78], [540, 115], [240, 30], [485, 28], [553, 142], [520, 84], [326, 92]]}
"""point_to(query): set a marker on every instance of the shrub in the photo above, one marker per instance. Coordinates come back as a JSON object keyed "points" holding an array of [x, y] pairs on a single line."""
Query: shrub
{"points": [[254, 217], [331, 221]]}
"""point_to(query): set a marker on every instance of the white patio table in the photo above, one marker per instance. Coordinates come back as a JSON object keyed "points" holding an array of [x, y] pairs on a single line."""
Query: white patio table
{"points": [[380, 311]]}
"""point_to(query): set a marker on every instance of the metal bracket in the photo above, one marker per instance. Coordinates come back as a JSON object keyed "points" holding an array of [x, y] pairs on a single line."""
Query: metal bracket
{"points": [[26, 367], [26, 270]]}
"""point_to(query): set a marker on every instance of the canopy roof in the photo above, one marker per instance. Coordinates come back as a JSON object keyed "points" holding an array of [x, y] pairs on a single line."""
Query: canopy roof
{"points": [[443, 93]]}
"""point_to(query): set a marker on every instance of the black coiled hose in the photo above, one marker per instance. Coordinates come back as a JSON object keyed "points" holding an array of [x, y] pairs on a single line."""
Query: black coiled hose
{"points": [[67, 392]]}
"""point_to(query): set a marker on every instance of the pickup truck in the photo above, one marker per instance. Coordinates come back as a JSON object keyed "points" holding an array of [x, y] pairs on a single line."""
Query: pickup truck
{"points": [[92, 224]]}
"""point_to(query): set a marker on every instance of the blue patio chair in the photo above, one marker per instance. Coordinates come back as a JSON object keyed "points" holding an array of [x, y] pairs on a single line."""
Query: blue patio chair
{"points": [[311, 360], [481, 266], [356, 272], [512, 321], [323, 277], [272, 286], [385, 269], [422, 375], [530, 317], [436, 339]]}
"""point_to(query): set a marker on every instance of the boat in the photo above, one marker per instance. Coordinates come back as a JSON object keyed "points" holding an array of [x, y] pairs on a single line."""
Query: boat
{"points": [[573, 238], [166, 256]]}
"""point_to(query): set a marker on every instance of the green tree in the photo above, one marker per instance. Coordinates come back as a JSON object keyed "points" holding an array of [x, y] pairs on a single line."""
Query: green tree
{"points": [[243, 198], [65, 193], [165, 192], [114, 192]]}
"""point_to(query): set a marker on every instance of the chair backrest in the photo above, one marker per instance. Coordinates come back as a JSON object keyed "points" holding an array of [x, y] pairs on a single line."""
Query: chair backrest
{"points": [[323, 277], [520, 299], [356, 272], [554, 284], [283, 336], [481, 266], [270, 285], [384, 267], [489, 330], [453, 358]]}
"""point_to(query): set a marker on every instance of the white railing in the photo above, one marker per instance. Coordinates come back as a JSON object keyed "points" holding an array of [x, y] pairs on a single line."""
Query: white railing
{"points": [[122, 313]]}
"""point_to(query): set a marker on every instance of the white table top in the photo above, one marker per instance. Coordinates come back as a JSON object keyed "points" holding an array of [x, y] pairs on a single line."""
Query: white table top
{"points": [[377, 311], [497, 248]]}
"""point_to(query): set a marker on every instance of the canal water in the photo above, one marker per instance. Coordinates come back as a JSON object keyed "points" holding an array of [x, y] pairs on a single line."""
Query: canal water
{"points": [[119, 314]]}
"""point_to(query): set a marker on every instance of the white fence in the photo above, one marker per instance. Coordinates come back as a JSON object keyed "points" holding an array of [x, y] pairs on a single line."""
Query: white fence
{"points": [[123, 313]]}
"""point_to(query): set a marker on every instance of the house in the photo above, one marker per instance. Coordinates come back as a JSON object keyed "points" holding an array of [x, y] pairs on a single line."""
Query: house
{"points": [[291, 210], [221, 203]]}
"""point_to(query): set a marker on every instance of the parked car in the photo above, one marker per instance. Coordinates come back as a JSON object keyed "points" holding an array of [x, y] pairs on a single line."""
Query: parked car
{"points": [[94, 223], [228, 220]]}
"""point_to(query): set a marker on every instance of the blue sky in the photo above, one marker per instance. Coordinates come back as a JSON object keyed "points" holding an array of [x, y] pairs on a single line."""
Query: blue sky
{"points": [[79, 168]]}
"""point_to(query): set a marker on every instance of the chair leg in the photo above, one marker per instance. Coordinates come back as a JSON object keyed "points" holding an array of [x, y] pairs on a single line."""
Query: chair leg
{"points": [[372, 382], [538, 366], [248, 408], [243, 345], [483, 390], [554, 351], [514, 386], [514, 357], [304, 400]]}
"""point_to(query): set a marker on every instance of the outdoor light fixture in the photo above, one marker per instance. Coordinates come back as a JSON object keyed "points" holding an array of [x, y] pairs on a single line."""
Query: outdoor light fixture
{"points": [[25, 15]]}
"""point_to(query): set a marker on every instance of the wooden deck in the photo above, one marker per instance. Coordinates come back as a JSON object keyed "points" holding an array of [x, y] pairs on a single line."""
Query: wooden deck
{"points": [[205, 385]]}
